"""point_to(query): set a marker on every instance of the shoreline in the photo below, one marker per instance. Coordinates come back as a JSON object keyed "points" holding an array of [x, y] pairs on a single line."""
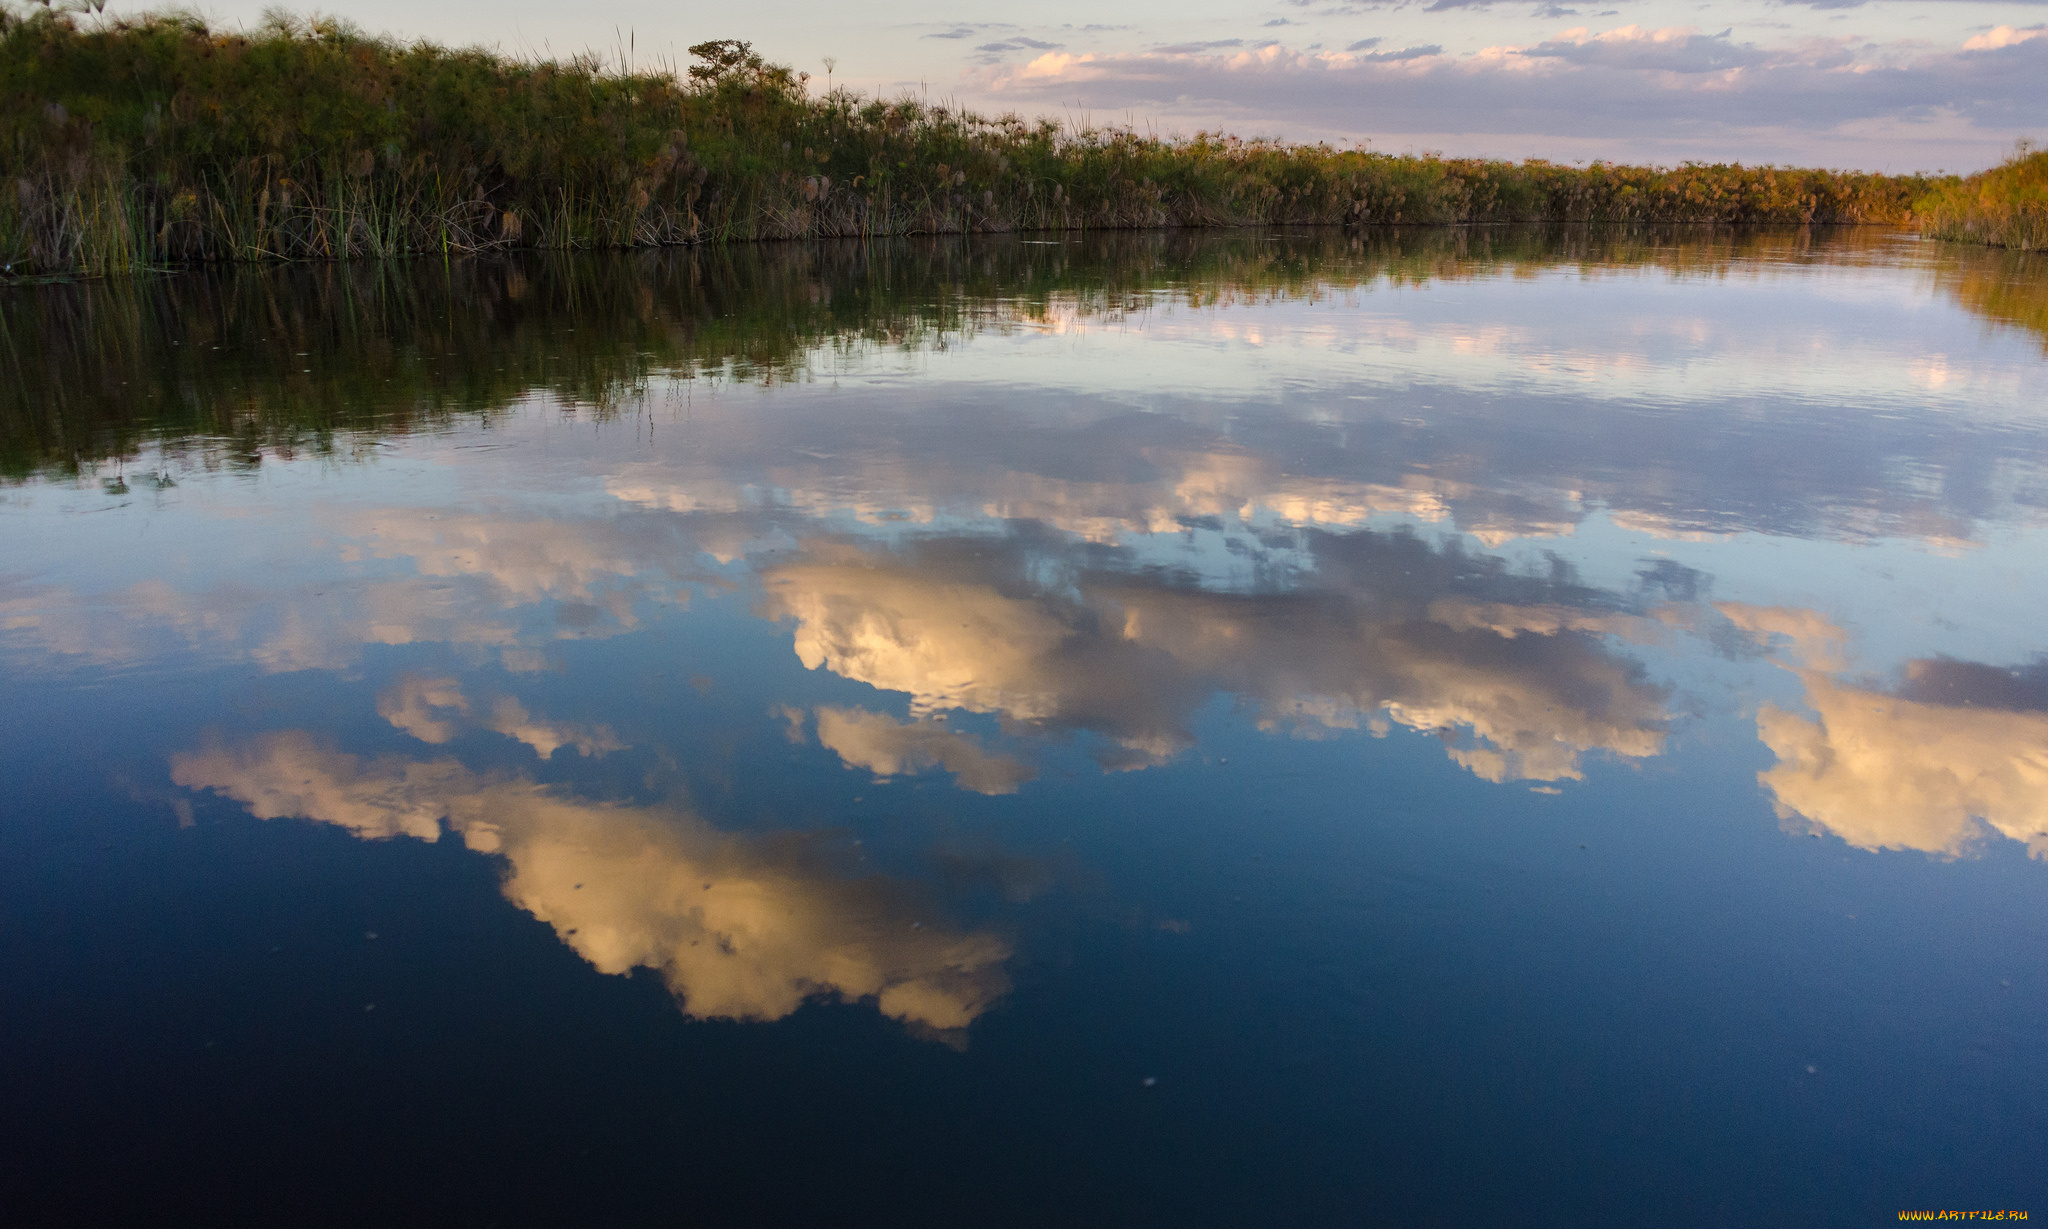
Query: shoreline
{"points": [[152, 141]]}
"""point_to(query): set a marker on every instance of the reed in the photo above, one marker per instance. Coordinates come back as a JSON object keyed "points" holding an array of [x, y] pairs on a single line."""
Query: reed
{"points": [[2006, 206], [139, 142]]}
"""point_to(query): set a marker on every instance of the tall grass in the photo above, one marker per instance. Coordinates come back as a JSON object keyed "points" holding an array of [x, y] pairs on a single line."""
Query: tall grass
{"points": [[2006, 206], [138, 142]]}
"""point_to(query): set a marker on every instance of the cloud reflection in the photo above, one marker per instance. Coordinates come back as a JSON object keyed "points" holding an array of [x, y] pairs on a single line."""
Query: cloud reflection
{"points": [[434, 710], [739, 927], [1958, 752], [888, 747], [506, 586], [1514, 672]]}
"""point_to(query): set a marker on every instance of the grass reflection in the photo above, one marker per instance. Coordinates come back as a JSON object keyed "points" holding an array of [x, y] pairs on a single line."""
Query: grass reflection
{"points": [[227, 366], [2009, 288]]}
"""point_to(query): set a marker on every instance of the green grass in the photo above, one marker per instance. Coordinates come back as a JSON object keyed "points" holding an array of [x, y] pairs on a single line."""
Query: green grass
{"points": [[2006, 206], [142, 142]]}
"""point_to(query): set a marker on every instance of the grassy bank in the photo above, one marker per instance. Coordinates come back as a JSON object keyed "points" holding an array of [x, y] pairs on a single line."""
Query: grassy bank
{"points": [[2006, 206], [156, 140]]}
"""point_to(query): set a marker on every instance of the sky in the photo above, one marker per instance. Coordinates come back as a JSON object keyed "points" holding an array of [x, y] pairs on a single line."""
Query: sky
{"points": [[1895, 85]]}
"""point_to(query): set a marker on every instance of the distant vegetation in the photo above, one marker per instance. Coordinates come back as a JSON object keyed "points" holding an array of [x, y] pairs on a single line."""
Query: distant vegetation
{"points": [[2006, 206], [140, 142]]}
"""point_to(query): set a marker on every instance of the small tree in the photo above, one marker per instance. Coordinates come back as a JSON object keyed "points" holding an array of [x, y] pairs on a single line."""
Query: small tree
{"points": [[725, 59]]}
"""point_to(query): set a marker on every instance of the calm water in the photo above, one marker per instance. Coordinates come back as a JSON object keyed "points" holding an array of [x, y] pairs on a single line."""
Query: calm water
{"points": [[1246, 730]]}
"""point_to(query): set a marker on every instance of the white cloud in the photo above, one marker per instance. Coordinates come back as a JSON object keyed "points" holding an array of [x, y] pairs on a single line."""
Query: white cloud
{"points": [[429, 709], [888, 747], [1517, 689], [434, 710], [1883, 772], [1959, 753], [1631, 90], [1674, 49], [739, 928], [2003, 36]]}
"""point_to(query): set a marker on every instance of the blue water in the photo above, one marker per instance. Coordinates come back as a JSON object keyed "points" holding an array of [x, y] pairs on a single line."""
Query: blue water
{"points": [[1146, 731]]}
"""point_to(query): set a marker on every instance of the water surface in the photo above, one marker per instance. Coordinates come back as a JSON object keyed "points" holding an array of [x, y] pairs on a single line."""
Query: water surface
{"points": [[1423, 728]]}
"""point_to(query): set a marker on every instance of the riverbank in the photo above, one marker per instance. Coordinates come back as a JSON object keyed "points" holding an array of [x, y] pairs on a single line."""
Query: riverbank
{"points": [[150, 141], [2006, 206]]}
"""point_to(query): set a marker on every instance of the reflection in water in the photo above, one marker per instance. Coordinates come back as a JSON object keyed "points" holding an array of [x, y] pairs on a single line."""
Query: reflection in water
{"points": [[1147, 478], [739, 927], [1540, 413], [524, 557], [1961, 743], [1569, 505], [233, 365], [1883, 772], [885, 746], [1050, 632], [510, 585], [1385, 628], [434, 710], [1094, 547], [2010, 288]]}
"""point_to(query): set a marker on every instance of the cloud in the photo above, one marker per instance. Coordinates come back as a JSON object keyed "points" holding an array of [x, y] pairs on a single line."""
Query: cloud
{"points": [[1156, 488], [2004, 36], [1958, 751], [526, 558], [1667, 51], [1629, 84], [475, 580], [1850, 4], [741, 928], [1885, 772], [1365, 44], [434, 710], [430, 709], [1406, 53], [1516, 692], [280, 629], [1018, 44], [1969, 684], [969, 29], [1805, 637], [509, 718], [1196, 48], [948, 641], [1514, 676], [888, 747]]}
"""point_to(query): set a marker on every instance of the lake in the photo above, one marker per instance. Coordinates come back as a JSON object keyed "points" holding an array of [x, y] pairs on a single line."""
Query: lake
{"points": [[1407, 728]]}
